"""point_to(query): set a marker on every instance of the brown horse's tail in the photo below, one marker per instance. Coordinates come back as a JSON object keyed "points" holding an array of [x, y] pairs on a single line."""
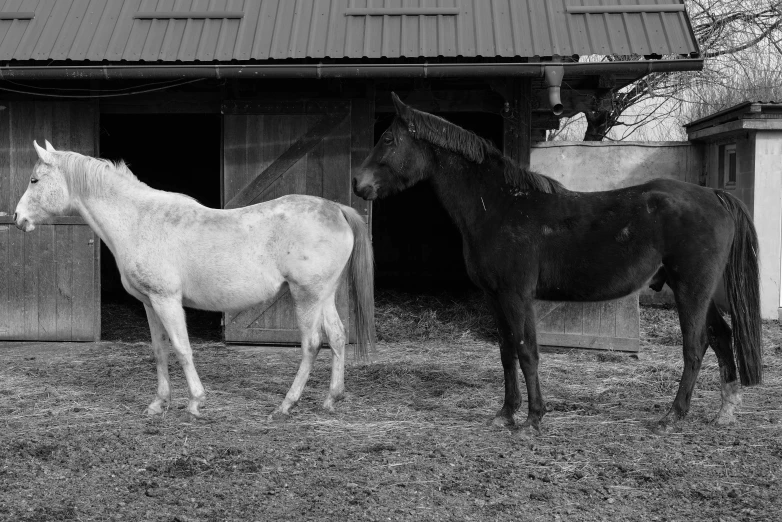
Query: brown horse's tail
{"points": [[742, 283], [362, 282]]}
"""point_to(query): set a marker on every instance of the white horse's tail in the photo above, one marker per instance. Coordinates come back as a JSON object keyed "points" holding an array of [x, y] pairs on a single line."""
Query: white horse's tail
{"points": [[362, 281]]}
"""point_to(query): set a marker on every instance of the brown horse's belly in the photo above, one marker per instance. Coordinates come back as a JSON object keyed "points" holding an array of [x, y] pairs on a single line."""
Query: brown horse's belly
{"points": [[599, 285]]}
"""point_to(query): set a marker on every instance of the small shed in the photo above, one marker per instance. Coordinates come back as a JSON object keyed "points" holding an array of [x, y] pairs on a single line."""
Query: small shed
{"points": [[256, 99], [741, 150]]}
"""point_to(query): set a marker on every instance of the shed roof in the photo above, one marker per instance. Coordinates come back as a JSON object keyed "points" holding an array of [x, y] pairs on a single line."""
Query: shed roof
{"points": [[748, 115], [246, 30]]}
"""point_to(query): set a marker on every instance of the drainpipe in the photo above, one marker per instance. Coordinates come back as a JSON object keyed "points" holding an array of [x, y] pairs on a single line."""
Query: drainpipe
{"points": [[553, 75]]}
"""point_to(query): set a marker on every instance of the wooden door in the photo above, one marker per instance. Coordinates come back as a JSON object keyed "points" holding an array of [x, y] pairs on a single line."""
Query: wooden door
{"points": [[273, 149], [610, 325], [49, 278]]}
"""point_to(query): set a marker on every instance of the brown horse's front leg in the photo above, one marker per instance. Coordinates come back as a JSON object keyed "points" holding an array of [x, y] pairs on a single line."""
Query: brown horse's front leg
{"points": [[527, 349], [510, 365]]}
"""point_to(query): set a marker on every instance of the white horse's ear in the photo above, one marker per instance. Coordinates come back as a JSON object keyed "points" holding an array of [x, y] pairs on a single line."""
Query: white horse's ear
{"points": [[49, 146], [44, 154]]}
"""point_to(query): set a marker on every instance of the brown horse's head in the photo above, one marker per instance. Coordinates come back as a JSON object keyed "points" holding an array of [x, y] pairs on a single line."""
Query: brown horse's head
{"points": [[398, 160]]}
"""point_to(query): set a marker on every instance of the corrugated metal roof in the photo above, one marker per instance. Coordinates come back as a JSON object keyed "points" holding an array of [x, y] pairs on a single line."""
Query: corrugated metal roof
{"points": [[113, 30]]}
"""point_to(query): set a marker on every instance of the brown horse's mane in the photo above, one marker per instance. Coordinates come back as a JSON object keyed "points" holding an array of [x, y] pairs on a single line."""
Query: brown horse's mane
{"points": [[447, 135]]}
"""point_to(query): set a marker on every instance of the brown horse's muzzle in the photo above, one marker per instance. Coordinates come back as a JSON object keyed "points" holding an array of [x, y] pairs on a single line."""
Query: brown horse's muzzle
{"points": [[363, 186]]}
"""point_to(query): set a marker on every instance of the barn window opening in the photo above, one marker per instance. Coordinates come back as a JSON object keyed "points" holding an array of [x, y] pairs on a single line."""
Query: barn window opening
{"points": [[727, 166], [172, 152]]}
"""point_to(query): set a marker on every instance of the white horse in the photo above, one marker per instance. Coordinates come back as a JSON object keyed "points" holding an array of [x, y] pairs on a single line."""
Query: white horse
{"points": [[172, 251]]}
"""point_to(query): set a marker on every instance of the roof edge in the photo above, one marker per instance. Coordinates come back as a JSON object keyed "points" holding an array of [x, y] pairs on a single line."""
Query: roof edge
{"points": [[331, 70], [739, 109]]}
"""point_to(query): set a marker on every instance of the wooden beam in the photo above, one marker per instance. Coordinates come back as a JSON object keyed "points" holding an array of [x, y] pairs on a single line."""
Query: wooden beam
{"points": [[60, 220], [517, 121], [448, 101]]}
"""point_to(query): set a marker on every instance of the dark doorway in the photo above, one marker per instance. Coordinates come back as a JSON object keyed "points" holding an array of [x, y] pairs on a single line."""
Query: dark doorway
{"points": [[172, 152], [417, 247]]}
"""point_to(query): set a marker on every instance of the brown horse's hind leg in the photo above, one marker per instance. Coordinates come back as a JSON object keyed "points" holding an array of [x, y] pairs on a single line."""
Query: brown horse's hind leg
{"points": [[160, 349], [693, 306], [335, 332], [310, 317], [719, 340], [510, 366]]}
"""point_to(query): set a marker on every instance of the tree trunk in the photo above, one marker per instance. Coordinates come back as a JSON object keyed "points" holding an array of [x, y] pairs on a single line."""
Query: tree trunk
{"points": [[598, 125]]}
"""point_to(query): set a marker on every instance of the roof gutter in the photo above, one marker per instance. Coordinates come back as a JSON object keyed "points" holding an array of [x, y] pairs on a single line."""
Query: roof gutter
{"points": [[332, 70]]}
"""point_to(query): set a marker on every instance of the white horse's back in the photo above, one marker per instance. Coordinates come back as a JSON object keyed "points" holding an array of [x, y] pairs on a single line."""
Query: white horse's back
{"points": [[230, 260]]}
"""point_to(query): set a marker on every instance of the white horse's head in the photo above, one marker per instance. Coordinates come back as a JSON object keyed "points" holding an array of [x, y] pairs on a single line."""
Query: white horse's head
{"points": [[46, 195]]}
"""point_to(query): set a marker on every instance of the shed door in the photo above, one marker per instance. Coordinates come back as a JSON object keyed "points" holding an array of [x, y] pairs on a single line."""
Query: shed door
{"points": [[274, 149], [49, 280]]}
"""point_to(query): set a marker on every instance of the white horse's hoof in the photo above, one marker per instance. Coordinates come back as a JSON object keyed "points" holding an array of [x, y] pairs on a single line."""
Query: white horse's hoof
{"points": [[278, 416], [156, 408]]}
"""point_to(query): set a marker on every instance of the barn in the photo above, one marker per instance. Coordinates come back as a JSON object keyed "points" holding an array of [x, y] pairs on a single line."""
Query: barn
{"points": [[239, 101]]}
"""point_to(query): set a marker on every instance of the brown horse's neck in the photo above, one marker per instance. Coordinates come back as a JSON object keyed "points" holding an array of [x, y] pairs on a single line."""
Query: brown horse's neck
{"points": [[472, 194]]}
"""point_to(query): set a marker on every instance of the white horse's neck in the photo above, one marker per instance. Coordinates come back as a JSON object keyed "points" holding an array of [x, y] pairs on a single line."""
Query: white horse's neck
{"points": [[107, 198]]}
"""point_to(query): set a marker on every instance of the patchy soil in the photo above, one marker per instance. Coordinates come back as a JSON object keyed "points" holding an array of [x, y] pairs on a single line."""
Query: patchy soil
{"points": [[410, 442]]}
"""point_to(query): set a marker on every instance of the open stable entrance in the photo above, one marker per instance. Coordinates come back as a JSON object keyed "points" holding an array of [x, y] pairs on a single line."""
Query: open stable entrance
{"points": [[172, 152], [417, 246]]}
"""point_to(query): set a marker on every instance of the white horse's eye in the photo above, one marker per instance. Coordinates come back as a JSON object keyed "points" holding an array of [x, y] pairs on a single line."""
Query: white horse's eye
{"points": [[33, 180]]}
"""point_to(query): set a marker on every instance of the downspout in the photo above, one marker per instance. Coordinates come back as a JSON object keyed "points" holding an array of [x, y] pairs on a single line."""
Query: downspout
{"points": [[553, 75]]}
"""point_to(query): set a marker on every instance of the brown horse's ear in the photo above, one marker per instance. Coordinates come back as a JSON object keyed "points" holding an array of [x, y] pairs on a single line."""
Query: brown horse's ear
{"points": [[401, 108]]}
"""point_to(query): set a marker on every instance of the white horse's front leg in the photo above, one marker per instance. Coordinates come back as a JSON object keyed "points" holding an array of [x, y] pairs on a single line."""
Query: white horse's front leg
{"points": [[160, 349], [172, 315]]}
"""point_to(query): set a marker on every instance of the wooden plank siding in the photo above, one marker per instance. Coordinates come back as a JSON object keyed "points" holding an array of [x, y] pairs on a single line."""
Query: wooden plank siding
{"points": [[610, 325], [274, 149], [49, 281]]}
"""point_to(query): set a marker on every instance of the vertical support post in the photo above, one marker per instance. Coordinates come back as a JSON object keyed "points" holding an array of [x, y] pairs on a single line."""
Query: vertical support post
{"points": [[767, 215], [517, 126]]}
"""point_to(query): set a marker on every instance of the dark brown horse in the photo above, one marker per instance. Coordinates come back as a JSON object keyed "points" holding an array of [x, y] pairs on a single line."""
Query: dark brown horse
{"points": [[526, 237]]}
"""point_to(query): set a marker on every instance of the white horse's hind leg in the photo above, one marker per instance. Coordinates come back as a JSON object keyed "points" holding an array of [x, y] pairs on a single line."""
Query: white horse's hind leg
{"points": [[160, 349], [310, 319], [335, 331], [172, 315]]}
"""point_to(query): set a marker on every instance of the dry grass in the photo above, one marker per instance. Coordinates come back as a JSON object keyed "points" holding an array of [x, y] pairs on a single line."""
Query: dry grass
{"points": [[409, 442], [424, 317]]}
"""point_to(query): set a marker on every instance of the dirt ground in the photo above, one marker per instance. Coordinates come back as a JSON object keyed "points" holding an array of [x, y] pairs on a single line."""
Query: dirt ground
{"points": [[410, 442]]}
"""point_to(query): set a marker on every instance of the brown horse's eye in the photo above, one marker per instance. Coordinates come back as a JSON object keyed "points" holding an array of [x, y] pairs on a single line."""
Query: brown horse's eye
{"points": [[33, 180], [388, 139]]}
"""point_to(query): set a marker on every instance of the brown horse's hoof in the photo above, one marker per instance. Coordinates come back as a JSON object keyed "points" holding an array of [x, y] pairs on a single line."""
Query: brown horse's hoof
{"points": [[528, 429], [666, 426], [723, 420], [500, 422]]}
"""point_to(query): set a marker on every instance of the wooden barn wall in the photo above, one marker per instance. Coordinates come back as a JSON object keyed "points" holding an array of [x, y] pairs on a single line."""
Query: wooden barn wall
{"points": [[291, 147], [49, 287]]}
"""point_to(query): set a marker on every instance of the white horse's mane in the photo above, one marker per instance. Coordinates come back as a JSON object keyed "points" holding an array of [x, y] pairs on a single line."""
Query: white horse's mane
{"points": [[87, 176]]}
